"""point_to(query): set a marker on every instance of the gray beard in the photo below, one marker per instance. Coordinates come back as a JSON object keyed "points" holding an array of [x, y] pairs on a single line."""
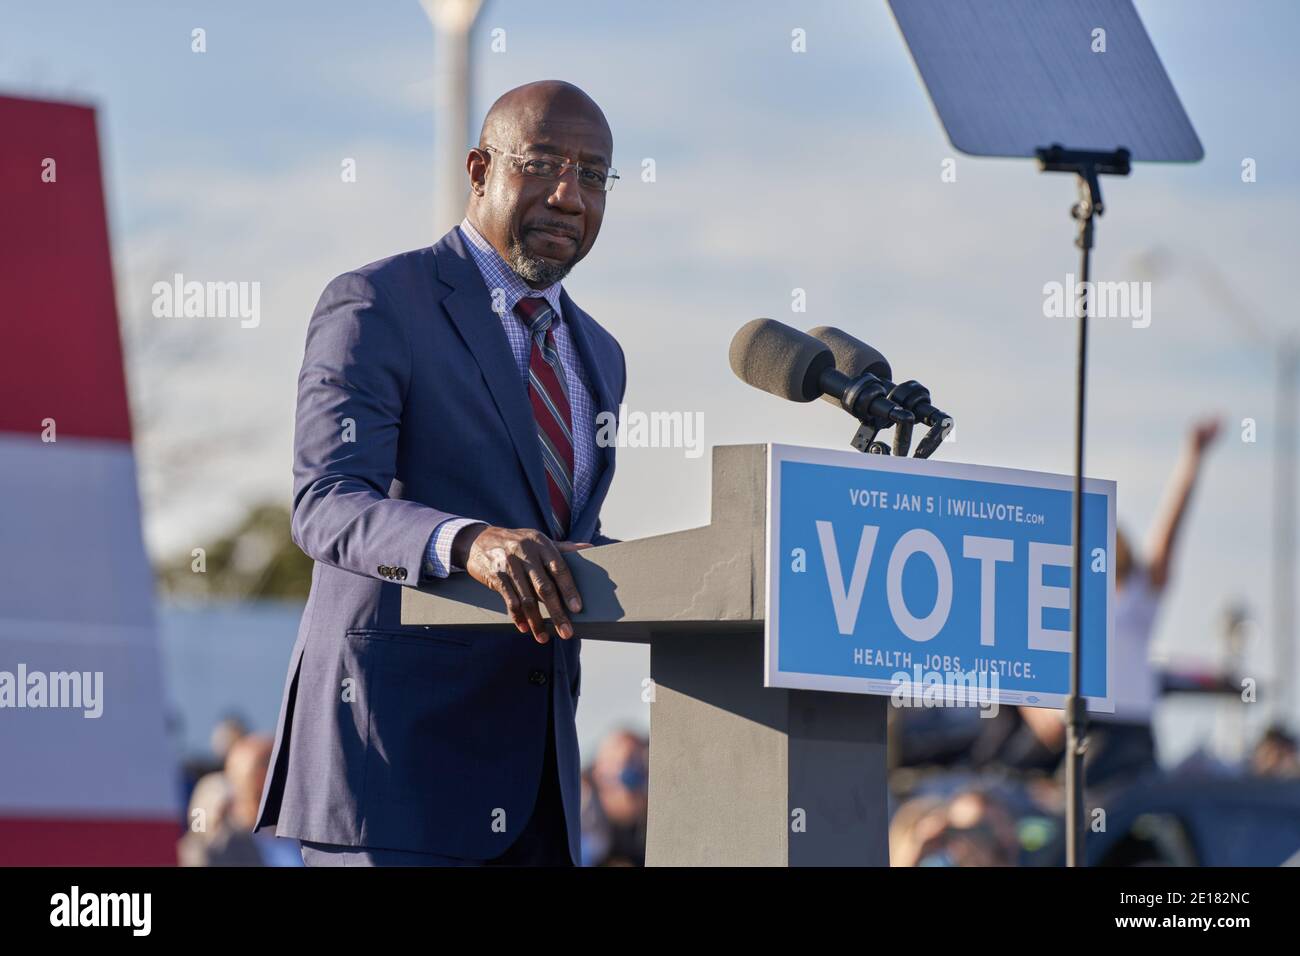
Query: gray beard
{"points": [[532, 268]]}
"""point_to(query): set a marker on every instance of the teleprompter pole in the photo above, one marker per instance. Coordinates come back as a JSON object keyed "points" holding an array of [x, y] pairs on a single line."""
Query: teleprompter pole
{"points": [[1087, 166]]}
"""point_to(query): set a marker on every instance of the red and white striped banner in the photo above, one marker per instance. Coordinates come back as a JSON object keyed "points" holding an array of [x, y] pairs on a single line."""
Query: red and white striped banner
{"points": [[87, 773]]}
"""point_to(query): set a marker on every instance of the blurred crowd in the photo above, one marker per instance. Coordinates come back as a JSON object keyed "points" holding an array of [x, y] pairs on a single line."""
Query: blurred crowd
{"points": [[615, 788], [223, 802], [981, 804], [224, 791], [992, 799]]}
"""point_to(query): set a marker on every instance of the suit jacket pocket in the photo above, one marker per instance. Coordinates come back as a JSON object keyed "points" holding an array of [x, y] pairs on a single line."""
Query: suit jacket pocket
{"points": [[452, 736], [413, 688], [418, 637]]}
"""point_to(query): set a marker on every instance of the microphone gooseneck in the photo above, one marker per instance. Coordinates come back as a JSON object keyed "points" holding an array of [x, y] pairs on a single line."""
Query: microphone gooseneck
{"points": [[853, 356]]}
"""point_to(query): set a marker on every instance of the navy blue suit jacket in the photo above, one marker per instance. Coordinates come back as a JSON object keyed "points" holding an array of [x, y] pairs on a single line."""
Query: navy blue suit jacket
{"points": [[411, 408]]}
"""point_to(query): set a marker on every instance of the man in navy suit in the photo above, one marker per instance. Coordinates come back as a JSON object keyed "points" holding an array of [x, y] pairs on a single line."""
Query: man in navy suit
{"points": [[447, 418]]}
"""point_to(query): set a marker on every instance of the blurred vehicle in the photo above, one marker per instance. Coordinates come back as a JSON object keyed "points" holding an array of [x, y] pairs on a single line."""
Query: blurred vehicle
{"points": [[1192, 821]]}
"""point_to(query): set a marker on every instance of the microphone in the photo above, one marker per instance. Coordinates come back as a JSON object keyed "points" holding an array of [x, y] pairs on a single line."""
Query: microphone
{"points": [[853, 356], [782, 361], [790, 364]]}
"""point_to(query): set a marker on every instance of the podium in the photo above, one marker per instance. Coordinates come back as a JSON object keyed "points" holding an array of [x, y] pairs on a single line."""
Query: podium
{"points": [[740, 774]]}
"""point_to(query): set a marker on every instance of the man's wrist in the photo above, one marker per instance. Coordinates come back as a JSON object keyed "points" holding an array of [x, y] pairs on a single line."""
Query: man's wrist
{"points": [[437, 553], [464, 541]]}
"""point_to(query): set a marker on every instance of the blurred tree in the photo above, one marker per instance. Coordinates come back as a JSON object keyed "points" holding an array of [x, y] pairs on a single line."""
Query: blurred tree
{"points": [[257, 560]]}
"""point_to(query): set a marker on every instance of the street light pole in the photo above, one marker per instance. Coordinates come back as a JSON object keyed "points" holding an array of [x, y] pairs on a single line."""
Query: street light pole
{"points": [[452, 22]]}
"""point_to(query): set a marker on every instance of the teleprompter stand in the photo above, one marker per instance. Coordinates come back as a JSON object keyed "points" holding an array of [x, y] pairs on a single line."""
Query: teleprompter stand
{"points": [[1088, 166]]}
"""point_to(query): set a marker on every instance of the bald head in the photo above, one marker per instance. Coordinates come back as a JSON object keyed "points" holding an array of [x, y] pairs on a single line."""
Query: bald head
{"points": [[541, 104], [541, 227]]}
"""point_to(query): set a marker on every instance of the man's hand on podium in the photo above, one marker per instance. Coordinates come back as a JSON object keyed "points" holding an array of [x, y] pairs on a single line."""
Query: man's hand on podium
{"points": [[527, 569]]}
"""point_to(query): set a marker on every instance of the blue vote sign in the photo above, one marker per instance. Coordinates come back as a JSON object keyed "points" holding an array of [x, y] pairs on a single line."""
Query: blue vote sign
{"points": [[950, 580]]}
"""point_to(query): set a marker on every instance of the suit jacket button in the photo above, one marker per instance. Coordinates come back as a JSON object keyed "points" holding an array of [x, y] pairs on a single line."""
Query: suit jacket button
{"points": [[401, 574], [383, 570], [537, 677]]}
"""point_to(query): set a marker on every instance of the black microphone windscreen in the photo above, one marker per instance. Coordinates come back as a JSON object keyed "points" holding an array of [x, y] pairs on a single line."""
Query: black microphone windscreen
{"points": [[778, 359], [852, 356]]}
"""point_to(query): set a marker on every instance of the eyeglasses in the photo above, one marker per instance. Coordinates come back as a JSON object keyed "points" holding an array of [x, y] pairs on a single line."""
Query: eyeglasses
{"points": [[541, 166]]}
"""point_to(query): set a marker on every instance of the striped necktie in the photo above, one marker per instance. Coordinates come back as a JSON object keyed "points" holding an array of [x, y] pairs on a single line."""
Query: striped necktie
{"points": [[549, 396]]}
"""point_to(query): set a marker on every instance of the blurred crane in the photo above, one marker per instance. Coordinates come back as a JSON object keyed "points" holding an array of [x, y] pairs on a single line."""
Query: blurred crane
{"points": [[1286, 347]]}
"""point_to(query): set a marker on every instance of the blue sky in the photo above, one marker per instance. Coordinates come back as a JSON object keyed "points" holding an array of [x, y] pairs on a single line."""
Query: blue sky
{"points": [[776, 171]]}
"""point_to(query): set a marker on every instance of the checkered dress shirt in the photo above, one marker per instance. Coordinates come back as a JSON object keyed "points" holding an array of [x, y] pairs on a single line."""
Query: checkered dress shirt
{"points": [[497, 275]]}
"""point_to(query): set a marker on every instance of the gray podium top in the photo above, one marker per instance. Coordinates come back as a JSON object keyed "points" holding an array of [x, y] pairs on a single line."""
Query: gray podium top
{"points": [[711, 575]]}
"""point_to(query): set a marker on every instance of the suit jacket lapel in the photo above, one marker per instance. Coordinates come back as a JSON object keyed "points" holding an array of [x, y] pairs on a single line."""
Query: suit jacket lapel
{"points": [[470, 308]]}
